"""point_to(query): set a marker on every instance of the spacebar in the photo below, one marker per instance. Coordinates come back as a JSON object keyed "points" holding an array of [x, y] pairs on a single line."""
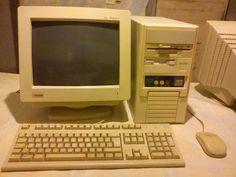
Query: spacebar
{"points": [[67, 157]]}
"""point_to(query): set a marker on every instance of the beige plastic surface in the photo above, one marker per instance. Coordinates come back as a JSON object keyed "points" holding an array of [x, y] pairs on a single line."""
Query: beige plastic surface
{"points": [[72, 95], [98, 146], [217, 69], [160, 47], [212, 144]]}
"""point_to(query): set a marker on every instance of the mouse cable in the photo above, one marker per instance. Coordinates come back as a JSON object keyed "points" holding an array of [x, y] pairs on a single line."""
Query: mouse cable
{"points": [[202, 123]]}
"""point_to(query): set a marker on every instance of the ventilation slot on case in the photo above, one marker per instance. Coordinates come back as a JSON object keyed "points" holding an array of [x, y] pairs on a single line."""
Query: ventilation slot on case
{"points": [[162, 106]]}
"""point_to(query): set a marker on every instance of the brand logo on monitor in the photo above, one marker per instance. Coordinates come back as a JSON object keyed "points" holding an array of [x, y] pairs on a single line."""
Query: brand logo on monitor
{"points": [[112, 18], [37, 95]]}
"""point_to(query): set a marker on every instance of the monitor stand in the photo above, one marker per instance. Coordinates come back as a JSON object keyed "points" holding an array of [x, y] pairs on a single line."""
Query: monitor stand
{"points": [[72, 114]]}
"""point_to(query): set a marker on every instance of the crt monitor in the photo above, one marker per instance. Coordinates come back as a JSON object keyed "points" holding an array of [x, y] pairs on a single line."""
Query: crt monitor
{"points": [[73, 56]]}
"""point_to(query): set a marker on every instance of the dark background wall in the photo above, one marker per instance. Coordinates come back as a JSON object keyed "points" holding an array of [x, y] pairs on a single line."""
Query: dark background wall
{"points": [[231, 11], [8, 36]]}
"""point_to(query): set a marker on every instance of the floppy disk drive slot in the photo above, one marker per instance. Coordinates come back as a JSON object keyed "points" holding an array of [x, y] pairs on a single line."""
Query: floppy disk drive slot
{"points": [[160, 61], [172, 52]]}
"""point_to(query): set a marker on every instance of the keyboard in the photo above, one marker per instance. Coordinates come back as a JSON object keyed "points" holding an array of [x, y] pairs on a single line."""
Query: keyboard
{"points": [[93, 146]]}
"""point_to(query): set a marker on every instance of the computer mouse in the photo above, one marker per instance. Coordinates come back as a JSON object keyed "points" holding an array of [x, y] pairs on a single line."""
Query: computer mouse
{"points": [[212, 144]]}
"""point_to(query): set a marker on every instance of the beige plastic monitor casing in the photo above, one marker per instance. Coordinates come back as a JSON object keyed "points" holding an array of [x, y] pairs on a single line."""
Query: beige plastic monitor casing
{"points": [[160, 47], [70, 95]]}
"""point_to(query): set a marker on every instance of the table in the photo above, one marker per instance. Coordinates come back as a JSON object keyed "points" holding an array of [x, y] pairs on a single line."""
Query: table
{"points": [[217, 118]]}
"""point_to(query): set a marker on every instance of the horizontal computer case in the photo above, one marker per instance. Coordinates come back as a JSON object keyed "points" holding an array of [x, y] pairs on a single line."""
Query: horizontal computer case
{"points": [[162, 56]]}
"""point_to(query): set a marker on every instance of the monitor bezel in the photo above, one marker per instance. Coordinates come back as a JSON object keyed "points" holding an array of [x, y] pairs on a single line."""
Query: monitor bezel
{"points": [[32, 93]]}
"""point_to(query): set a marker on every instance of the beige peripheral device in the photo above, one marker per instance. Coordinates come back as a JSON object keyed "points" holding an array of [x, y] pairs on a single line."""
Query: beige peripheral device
{"points": [[71, 56], [87, 146], [216, 71], [161, 55], [212, 144]]}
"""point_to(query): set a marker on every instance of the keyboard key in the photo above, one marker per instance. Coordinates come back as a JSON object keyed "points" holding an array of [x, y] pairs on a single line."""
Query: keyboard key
{"points": [[25, 127], [65, 157], [38, 157], [100, 156], [26, 157], [118, 156], [157, 155], [16, 151], [112, 150], [20, 145], [91, 156], [175, 153], [14, 158]]}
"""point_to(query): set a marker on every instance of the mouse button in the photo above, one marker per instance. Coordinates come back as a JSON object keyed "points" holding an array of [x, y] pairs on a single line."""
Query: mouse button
{"points": [[214, 142], [204, 136], [200, 136], [217, 145]]}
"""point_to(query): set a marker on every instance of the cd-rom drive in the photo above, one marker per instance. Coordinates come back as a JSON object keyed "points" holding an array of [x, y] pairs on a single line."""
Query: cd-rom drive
{"points": [[162, 51]]}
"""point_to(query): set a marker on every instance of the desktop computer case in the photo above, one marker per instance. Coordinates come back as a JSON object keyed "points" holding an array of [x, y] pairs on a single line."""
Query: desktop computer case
{"points": [[162, 55]]}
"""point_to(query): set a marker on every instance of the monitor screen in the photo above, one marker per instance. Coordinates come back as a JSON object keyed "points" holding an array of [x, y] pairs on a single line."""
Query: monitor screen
{"points": [[75, 53]]}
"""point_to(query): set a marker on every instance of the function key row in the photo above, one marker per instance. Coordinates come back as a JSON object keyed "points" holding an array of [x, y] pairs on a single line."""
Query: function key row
{"points": [[107, 126], [131, 126], [42, 135], [60, 126], [79, 126]]}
